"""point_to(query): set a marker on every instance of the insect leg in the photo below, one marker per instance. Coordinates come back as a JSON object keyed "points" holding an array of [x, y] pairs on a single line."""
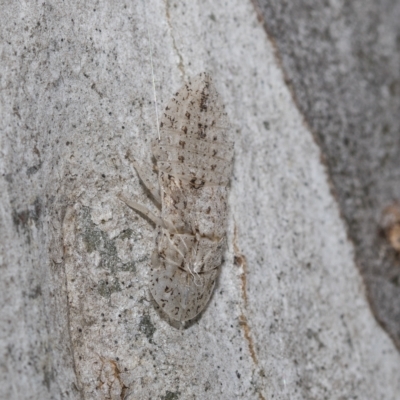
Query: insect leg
{"points": [[142, 209], [145, 178]]}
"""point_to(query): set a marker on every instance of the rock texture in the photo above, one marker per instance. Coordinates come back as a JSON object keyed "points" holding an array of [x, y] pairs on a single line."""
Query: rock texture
{"points": [[289, 317], [342, 63]]}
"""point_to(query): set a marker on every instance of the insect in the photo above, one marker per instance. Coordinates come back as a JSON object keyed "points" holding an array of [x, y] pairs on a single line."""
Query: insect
{"points": [[194, 161]]}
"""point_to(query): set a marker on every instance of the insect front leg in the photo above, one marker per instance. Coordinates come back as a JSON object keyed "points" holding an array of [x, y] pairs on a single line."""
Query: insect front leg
{"points": [[145, 177], [142, 209]]}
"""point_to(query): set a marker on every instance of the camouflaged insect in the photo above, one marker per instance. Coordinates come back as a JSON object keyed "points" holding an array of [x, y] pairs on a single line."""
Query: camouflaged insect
{"points": [[194, 162]]}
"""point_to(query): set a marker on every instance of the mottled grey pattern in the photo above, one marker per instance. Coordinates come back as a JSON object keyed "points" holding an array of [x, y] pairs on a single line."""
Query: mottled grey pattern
{"points": [[194, 161]]}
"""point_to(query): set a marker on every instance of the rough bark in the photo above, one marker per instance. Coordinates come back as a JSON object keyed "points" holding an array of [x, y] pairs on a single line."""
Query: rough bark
{"points": [[289, 317]]}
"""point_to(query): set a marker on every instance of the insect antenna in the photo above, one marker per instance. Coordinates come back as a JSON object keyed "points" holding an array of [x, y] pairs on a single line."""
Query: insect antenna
{"points": [[152, 69]]}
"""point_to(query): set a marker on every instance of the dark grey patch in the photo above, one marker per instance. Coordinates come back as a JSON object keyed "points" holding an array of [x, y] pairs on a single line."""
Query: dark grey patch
{"points": [[48, 375], [37, 210], [32, 170], [93, 239], [107, 287], [171, 395], [129, 266], [21, 218], [36, 292], [266, 125], [126, 234], [8, 178], [96, 239], [147, 327]]}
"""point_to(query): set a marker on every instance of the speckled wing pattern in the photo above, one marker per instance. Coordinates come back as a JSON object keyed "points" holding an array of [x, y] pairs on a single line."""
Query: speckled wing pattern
{"points": [[194, 160]]}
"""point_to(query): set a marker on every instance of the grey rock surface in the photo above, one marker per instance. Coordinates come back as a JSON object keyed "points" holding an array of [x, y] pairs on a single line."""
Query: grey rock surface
{"points": [[342, 62], [289, 317]]}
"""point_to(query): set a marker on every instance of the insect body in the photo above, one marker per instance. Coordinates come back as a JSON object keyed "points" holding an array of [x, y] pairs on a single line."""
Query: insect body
{"points": [[194, 161]]}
